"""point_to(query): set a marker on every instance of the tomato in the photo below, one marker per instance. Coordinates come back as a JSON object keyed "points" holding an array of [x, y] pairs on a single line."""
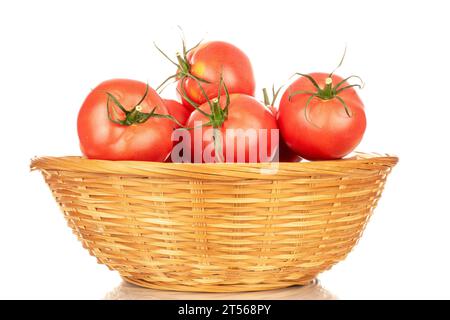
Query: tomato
{"points": [[177, 110], [285, 154], [106, 131], [321, 121], [180, 112], [245, 132], [205, 64]]}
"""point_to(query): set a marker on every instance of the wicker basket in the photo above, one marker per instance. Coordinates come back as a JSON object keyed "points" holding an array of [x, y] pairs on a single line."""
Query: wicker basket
{"points": [[217, 227]]}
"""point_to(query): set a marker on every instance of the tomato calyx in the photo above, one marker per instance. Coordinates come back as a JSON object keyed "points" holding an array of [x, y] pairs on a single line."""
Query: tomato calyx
{"points": [[328, 91], [135, 115], [217, 116], [182, 64]]}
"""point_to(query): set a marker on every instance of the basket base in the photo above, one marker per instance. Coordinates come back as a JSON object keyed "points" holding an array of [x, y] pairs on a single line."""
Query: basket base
{"points": [[218, 288]]}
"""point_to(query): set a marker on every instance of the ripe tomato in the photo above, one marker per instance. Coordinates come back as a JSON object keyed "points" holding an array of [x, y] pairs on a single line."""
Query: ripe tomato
{"points": [[124, 120], [177, 110], [180, 112], [285, 154], [209, 61], [321, 117], [246, 131]]}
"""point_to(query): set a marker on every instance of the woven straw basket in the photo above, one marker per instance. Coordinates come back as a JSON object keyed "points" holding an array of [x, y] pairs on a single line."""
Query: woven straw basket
{"points": [[217, 227]]}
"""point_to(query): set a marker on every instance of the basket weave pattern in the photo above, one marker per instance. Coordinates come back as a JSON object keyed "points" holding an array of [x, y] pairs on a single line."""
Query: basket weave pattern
{"points": [[217, 227]]}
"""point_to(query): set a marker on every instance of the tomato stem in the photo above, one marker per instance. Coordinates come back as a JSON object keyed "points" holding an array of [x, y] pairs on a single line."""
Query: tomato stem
{"points": [[132, 116], [275, 93], [182, 64], [266, 97], [135, 115], [327, 92], [217, 116]]}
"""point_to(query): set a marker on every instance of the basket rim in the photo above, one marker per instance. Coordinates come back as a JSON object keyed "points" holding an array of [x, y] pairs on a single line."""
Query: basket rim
{"points": [[359, 164]]}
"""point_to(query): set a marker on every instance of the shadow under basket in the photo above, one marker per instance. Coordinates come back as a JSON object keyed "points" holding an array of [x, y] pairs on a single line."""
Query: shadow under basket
{"points": [[217, 227]]}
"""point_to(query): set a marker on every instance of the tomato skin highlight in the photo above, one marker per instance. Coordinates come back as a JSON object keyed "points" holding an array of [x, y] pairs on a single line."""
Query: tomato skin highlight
{"points": [[209, 61], [100, 138], [177, 110], [245, 112], [327, 132]]}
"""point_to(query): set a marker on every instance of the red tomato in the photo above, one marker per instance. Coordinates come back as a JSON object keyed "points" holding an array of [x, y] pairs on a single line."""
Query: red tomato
{"points": [[102, 137], [284, 153], [208, 62], [321, 123], [180, 112], [244, 113], [177, 110]]}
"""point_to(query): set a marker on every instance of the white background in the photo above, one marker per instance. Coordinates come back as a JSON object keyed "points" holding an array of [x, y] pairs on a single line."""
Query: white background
{"points": [[53, 52]]}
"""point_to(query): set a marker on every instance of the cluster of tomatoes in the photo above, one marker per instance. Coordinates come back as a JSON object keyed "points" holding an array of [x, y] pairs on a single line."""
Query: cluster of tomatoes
{"points": [[319, 117]]}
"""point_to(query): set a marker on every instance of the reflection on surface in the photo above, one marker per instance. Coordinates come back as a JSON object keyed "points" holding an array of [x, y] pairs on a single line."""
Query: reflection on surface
{"points": [[314, 291]]}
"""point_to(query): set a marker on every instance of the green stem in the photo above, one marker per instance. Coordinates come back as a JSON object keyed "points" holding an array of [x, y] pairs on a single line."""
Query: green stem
{"points": [[183, 64], [327, 91], [266, 97], [133, 115]]}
